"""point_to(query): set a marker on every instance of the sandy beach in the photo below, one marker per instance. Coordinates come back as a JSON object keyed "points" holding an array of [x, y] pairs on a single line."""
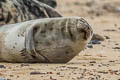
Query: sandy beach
{"points": [[98, 62]]}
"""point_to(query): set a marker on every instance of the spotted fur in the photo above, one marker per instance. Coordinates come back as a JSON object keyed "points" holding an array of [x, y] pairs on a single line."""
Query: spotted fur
{"points": [[14, 11]]}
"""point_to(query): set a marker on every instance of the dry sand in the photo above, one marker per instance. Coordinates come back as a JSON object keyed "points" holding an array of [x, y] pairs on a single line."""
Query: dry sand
{"points": [[101, 62]]}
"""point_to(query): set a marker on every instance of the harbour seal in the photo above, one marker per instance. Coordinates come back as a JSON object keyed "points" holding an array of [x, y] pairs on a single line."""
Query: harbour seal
{"points": [[14, 11], [55, 39], [48, 40]]}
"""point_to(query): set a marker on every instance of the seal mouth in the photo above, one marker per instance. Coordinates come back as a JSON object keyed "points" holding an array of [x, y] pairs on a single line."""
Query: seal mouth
{"points": [[86, 32], [86, 35], [86, 29]]}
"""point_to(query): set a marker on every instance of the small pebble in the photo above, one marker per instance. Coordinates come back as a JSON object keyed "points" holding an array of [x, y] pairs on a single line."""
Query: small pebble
{"points": [[2, 66], [36, 73], [96, 42], [107, 37], [116, 47], [110, 30], [90, 46], [92, 61], [22, 65]]}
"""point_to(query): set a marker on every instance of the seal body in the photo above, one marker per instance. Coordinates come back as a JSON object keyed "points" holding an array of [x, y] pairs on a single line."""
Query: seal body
{"points": [[14, 11], [53, 40]]}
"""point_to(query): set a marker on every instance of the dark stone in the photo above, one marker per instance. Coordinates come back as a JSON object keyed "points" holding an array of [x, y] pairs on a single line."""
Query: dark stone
{"points": [[107, 37], [96, 42], [116, 47], [36, 73], [2, 66], [90, 46]]}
